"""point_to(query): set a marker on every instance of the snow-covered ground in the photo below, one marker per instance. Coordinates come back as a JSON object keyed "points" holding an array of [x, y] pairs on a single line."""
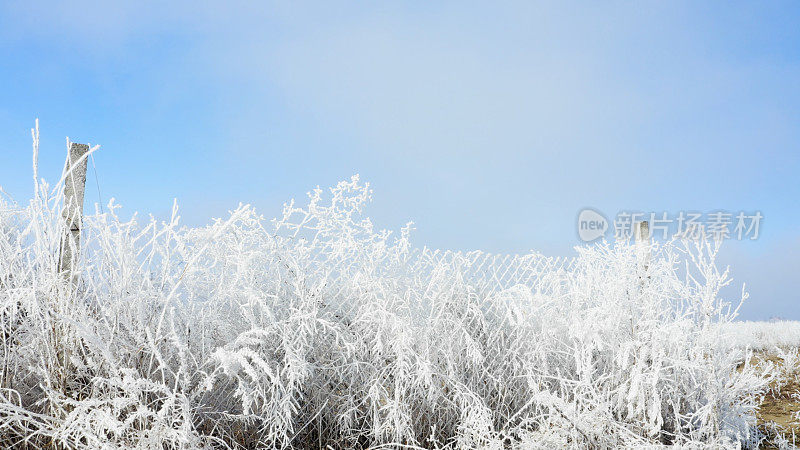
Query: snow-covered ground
{"points": [[762, 335]]}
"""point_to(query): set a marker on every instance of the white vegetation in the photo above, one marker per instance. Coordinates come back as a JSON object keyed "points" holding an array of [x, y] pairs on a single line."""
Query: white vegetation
{"points": [[762, 335], [314, 329]]}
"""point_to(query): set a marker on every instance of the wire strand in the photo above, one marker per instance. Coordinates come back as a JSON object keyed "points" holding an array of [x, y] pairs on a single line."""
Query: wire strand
{"points": [[97, 183]]}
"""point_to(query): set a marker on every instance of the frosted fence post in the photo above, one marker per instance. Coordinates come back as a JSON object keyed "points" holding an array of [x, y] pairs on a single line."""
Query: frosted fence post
{"points": [[642, 236], [642, 232], [74, 187]]}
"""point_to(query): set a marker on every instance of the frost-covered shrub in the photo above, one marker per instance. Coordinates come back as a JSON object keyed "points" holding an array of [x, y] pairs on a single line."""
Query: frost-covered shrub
{"points": [[315, 329]]}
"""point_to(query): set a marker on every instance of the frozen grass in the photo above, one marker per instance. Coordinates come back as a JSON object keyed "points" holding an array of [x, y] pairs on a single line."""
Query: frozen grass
{"points": [[762, 335], [314, 329]]}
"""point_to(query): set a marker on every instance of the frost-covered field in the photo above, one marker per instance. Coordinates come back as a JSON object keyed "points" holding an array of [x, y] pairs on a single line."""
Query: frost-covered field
{"points": [[315, 329], [762, 335]]}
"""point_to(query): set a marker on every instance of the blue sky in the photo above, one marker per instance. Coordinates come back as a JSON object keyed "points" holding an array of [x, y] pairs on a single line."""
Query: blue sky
{"points": [[490, 126]]}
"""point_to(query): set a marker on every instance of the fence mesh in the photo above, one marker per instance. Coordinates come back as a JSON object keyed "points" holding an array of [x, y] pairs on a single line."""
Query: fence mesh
{"points": [[316, 330]]}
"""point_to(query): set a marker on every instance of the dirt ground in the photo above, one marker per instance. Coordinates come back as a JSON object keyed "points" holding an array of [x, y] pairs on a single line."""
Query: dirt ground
{"points": [[781, 402]]}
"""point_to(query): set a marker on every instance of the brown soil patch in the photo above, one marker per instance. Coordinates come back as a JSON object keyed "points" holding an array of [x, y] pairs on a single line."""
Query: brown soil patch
{"points": [[782, 401]]}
